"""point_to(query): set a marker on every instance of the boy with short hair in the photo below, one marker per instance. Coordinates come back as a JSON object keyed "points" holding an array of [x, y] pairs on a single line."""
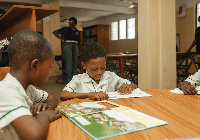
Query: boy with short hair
{"points": [[96, 81], [25, 112]]}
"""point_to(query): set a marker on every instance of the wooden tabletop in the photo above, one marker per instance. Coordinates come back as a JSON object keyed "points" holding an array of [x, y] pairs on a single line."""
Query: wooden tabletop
{"points": [[3, 72], [182, 112]]}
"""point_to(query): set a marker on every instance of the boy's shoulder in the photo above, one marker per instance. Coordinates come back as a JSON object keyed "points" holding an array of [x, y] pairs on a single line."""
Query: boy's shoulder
{"points": [[110, 73], [7, 82], [80, 76]]}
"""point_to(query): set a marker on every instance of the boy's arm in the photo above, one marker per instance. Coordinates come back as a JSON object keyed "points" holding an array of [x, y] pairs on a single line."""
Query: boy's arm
{"points": [[39, 125], [66, 95], [187, 88], [52, 100]]}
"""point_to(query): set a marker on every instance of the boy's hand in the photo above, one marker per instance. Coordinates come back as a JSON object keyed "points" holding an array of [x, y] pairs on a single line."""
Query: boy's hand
{"points": [[37, 108], [98, 96], [51, 114], [126, 89], [189, 89]]}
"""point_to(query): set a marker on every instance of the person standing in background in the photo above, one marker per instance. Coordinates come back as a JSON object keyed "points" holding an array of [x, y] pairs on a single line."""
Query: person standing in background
{"points": [[196, 40], [70, 39]]}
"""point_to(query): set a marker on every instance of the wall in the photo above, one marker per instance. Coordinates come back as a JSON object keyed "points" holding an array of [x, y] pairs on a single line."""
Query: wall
{"points": [[49, 24], [185, 26], [156, 41], [118, 45], [130, 45]]}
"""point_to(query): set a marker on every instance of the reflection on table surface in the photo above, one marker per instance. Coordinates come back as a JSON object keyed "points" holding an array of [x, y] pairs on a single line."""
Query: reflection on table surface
{"points": [[180, 111], [122, 54]]}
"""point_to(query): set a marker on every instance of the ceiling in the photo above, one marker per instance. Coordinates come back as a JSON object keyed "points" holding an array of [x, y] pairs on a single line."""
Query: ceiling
{"points": [[83, 10]]}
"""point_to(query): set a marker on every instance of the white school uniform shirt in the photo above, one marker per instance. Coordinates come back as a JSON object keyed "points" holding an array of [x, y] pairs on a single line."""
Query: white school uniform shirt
{"points": [[109, 82], [14, 103], [194, 80]]}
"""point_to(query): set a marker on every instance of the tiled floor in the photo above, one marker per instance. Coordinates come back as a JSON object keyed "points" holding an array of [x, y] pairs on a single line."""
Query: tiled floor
{"points": [[52, 87]]}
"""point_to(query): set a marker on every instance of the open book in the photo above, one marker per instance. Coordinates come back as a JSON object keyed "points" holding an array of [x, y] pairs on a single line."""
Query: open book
{"points": [[101, 122]]}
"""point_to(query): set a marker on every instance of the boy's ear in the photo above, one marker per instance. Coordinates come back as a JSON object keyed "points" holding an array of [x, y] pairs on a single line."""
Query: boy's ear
{"points": [[34, 64], [83, 65]]}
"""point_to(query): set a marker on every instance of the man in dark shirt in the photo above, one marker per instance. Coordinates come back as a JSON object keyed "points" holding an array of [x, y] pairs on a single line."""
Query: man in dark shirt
{"points": [[196, 40], [70, 39]]}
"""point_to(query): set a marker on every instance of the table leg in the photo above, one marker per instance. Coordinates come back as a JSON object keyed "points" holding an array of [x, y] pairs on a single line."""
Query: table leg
{"points": [[122, 66]]}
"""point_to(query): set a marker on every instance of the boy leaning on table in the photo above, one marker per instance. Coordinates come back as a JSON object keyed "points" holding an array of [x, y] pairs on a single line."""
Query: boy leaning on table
{"points": [[25, 112], [96, 81], [188, 86]]}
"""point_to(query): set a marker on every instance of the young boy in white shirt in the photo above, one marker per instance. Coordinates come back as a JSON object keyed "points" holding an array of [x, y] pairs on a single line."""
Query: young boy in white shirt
{"points": [[96, 81], [25, 112], [188, 86]]}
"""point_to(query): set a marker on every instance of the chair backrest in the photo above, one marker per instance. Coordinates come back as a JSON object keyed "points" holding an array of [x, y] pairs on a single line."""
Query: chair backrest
{"points": [[195, 60], [181, 59], [59, 58]]}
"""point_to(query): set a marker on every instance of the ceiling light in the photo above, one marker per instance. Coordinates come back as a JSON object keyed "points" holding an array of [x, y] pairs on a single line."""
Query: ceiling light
{"points": [[131, 6], [124, 0]]}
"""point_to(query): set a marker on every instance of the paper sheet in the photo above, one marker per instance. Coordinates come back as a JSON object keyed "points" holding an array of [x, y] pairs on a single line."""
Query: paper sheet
{"points": [[135, 93], [179, 91]]}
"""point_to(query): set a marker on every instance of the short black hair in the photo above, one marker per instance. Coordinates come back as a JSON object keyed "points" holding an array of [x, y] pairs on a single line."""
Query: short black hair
{"points": [[28, 45], [74, 19], [92, 51]]}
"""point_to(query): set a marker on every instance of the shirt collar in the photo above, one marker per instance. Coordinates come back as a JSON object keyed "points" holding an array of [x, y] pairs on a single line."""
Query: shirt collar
{"points": [[102, 81], [104, 78], [87, 78]]}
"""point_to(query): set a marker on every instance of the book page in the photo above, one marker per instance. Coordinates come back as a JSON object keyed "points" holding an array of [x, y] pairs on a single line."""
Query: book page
{"points": [[148, 121], [179, 91], [78, 109], [107, 123], [135, 93]]}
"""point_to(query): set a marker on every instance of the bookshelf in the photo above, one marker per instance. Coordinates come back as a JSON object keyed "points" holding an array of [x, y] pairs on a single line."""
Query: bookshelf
{"points": [[99, 34], [20, 17]]}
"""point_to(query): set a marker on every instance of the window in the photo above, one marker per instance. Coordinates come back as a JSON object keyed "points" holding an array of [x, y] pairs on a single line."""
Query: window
{"points": [[123, 29], [197, 14], [131, 28], [114, 30]]}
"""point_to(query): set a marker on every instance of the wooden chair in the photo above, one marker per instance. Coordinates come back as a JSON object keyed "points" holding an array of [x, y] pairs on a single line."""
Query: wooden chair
{"points": [[131, 71], [63, 76], [195, 60], [113, 65], [182, 67]]}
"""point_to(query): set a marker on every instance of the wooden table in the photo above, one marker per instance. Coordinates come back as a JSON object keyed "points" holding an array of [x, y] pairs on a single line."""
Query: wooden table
{"points": [[3, 72], [121, 58], [182, 112]]}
